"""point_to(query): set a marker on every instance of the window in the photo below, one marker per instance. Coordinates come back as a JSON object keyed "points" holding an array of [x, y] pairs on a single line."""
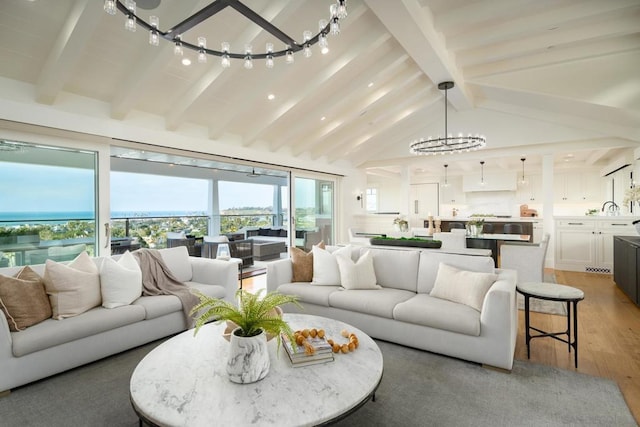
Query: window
{"points": [[47, 201], [372, 199]]}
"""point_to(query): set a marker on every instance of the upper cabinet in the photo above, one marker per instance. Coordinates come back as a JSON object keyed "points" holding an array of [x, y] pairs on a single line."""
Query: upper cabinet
{"points": [[578, 187], [452, 193], [531, 191]]}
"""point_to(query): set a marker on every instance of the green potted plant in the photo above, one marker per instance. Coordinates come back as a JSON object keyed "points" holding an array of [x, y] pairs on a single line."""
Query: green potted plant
{"points": [[474, 226], [255, 319], [401, 224]]}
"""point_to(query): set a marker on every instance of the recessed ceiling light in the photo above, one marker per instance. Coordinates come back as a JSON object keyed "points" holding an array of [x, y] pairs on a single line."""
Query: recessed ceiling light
{"points": [[186, 62], [271, 97], [323, 118], [370, 84]]}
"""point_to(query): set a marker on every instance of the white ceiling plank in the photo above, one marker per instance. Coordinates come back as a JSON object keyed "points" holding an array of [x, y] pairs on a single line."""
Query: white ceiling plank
{"points": [[68, 47]]}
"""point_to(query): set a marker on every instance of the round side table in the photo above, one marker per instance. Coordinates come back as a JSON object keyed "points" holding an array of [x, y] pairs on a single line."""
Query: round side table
{"points": [[552, 292]]}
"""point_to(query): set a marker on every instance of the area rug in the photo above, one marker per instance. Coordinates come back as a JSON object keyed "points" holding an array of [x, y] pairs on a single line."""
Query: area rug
{"points": [[418, 389], [543, 306]]}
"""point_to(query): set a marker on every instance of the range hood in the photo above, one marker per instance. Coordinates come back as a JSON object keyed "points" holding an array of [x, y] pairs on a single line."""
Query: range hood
{"points": [[492, 181]]}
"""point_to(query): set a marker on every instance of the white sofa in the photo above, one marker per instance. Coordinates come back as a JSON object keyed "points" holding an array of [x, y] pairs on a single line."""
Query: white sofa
{"points": [[402, 311], [53, 346]]}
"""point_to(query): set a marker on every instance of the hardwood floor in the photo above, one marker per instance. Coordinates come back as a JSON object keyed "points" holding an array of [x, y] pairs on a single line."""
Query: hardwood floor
{"points": [[608, 334]]}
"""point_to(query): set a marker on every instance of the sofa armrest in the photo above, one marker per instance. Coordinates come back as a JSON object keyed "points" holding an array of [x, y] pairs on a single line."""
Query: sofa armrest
{"points": [[279, 272], [500, 310], [6, 343], [216, 272]]}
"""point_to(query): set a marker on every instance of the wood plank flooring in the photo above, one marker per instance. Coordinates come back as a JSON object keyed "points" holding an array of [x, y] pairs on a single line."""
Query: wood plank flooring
{"points": [[608, 334]]}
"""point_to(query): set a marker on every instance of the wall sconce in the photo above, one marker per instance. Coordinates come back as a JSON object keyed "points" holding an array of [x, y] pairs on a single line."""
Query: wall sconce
{"points": [[360, 198]]}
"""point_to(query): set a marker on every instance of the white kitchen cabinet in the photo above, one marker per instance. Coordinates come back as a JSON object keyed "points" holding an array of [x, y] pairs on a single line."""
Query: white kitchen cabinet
{"points": [[424, 200], [531, 192], [578, 187], [452, 193], [586, 244]]}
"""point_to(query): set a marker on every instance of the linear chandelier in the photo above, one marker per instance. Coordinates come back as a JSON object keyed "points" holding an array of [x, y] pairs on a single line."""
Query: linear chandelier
{"points": [[337, 12], [448, 143]]}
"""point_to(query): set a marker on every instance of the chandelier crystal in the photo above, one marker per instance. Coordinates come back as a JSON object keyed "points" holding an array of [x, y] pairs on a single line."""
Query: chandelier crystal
{"points": [[447, 144], [175, 35]]}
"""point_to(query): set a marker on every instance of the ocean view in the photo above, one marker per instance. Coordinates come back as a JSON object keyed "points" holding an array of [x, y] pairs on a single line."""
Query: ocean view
{"points": [[8, 218]]}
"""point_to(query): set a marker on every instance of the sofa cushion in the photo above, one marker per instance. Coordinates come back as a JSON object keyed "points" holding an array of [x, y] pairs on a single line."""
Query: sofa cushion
{"points": [[52, 332], [177, 259], [429, 262], [23, 299], [72, 288], [395, 268], [438, 313], [374, 302], [359, 274], [158, 305], [325, 266], [464, 287], [313, 294], [120, 281]]}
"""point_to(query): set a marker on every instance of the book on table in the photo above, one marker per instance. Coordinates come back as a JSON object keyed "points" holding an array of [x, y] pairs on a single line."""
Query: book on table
{"points": [[298, 357]]}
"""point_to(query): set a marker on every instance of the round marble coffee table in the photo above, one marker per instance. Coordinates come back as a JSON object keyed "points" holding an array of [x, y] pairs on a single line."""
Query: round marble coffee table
{"points": [[183, 382]]}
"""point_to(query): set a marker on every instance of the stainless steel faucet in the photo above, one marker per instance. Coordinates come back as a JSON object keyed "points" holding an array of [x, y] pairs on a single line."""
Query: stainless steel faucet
{"points": [[613, 209]]}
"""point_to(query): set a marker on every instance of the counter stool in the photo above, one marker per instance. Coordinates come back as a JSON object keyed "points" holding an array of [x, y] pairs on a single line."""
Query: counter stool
{"points": [[552, 292]]}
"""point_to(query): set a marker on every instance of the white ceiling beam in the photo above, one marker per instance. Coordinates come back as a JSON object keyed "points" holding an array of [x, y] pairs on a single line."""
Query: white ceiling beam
{"points": [[345, 96], [379, 118], [518, 47], [349, 114], [132, 85], [414, 28], [67, 49], [565, 15], [555, 56], [181, 106]]}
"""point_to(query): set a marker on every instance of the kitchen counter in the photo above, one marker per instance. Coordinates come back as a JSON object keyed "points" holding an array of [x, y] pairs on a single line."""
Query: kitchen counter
{"points": [[491, 218]]}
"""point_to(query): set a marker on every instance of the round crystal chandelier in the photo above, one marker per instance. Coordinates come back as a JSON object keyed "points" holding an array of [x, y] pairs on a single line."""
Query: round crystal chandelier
{"points": [[447, 144], [337, 12]]}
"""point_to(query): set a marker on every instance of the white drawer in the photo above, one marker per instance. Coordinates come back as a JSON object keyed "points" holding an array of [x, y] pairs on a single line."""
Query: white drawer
{"points": [[576, 224]]}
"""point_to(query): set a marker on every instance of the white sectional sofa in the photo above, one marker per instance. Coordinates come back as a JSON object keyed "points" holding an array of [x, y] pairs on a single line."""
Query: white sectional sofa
{"points": [[403, 310], [53, 346]]}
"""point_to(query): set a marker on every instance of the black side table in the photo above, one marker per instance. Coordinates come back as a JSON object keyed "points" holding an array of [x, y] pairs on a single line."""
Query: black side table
{"points": [[552, 292]]}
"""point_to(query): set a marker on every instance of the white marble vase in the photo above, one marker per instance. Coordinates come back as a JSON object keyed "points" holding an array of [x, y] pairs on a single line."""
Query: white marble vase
{"points": [[248, 358]]}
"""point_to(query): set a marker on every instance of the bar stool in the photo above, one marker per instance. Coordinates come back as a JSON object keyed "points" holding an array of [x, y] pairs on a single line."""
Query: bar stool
{"points": [[512, 229], [455, 225], [552, 292]]}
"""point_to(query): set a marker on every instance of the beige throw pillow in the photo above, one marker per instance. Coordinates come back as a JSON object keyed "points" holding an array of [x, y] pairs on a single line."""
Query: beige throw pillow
{"points": [[23, 299], [73, 288], [461, 286], [357, 275], [301, 265]]}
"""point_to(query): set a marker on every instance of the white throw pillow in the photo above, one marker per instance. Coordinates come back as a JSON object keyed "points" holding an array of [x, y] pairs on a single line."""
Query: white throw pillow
{"points": [[461, 286], [325, 266], [177, 259], [120, 281], [73, 288], [357, 275]]}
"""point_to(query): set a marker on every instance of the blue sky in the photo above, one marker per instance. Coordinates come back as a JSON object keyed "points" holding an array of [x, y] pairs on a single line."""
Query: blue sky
{"points": [[48, 188]]}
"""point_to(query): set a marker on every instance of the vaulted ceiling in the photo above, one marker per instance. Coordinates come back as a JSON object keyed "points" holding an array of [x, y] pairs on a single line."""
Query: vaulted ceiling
{"points": [[533, 76]]}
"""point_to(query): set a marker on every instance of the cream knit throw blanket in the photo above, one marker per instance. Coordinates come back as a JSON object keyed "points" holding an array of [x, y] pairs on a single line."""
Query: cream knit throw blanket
{"points": [[157, 279]]}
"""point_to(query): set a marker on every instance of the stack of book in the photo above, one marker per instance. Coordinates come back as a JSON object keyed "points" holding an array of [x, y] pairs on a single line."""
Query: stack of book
{"points": [[323, 352]]}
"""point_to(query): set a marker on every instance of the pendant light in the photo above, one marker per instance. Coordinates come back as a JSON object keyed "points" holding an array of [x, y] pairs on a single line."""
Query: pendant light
{"points": [[446, 181], [523, 181], [482, 172]]}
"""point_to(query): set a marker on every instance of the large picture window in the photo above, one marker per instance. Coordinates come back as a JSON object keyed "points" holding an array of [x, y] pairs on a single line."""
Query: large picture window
{"points": [[47, 203]]}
